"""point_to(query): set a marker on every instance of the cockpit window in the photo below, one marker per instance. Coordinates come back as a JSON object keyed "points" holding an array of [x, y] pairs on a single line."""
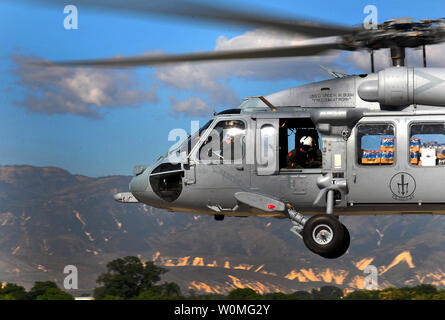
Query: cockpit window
{"points": [[225, 142], [193, 139]]}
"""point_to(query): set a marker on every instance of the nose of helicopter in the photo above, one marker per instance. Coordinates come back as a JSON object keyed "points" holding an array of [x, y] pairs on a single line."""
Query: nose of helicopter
{"points": [[142, 190], [156, 186], [140, 183]]}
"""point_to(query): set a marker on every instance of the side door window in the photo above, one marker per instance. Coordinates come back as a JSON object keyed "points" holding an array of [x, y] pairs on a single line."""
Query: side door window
{"points": [[266, 146], [375, 144], [225, 143], [373, 176], [427, 144]]}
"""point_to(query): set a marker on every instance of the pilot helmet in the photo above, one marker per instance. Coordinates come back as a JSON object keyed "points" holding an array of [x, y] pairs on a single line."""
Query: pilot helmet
{"points": [[306, 141]]}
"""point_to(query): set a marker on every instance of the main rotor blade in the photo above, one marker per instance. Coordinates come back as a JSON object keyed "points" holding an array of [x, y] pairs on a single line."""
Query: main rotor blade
{"points": [[195, 9], [147, 60]]}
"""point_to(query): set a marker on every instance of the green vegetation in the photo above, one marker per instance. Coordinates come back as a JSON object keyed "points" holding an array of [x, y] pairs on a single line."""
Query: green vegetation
{"points": [[130, 278], [243, 294], [327, 293], [13, 292], [55, 294], [42, 290], [422, 292]]}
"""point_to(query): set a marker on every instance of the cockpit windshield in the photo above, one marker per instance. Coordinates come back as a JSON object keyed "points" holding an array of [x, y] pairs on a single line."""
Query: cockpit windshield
{"points": [[194, 138], [187, 144]]}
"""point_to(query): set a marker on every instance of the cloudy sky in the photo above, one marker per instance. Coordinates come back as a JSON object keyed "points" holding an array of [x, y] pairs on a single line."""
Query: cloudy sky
{"points": [[100, 122]]}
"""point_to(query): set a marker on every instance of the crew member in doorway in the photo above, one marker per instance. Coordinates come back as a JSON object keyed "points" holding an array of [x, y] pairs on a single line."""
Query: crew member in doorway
{"points": [[306, 155]]}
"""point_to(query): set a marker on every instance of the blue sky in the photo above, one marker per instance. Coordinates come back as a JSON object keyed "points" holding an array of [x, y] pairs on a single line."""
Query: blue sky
{"points": [[111, 136]]}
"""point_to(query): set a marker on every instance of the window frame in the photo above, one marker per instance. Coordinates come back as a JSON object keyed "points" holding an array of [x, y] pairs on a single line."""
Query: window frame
{"points": [[408, 135], [285, 170], [260, 160], [387, 122], [196, 150]]}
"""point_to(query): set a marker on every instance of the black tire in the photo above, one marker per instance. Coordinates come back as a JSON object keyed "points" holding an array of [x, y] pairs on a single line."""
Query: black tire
{"points": [[315, 231], [343, 248]]}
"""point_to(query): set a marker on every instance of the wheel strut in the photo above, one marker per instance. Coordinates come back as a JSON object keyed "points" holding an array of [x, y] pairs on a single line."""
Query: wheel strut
{"points": [[298, 220], [330, 202]]}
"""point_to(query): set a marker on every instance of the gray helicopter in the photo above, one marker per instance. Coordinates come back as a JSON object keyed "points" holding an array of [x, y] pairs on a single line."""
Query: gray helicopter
{"points": [[364, 144]]}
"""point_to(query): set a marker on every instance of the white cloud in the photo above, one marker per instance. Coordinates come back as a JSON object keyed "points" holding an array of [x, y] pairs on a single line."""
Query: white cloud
{"points": [[208, 84], [203, 78], [80, 91], [193, 106], [434, 55], [297, 68], [258, 38], [362, 60], [211, 80]]}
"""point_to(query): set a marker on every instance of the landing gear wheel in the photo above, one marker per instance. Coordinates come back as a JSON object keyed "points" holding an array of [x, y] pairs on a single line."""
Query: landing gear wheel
{"points": [[324, 235], [343, 248]]}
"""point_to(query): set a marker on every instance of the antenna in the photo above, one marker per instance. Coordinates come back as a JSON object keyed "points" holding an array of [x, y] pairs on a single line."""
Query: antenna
{"points": [[372, 61]]}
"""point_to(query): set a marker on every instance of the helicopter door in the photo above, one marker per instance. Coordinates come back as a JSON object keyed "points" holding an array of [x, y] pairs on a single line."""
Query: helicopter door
{"points": [[372, 161], [267, 146], [221, 162]]}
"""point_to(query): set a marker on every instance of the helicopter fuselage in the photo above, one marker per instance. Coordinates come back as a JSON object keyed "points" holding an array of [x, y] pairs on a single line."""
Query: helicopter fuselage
{"points": [[368, 175]]}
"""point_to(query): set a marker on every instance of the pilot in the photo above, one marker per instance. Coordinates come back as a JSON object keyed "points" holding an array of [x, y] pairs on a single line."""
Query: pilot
{"points": [[306, 155]]}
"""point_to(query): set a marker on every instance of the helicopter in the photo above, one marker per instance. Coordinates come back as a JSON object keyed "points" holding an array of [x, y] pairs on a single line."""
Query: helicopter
{"points": [[366, 144]]}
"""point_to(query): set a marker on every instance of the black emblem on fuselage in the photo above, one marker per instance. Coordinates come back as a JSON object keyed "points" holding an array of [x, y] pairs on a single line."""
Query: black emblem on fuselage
{"points": [[402, 186]]}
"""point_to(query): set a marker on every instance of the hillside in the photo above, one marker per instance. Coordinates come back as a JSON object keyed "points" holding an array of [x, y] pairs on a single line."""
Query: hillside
{"points": [[50, 218]]}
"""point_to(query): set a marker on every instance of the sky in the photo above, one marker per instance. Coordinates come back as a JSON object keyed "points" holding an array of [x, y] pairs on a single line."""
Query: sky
{"points": [[100, 122]]}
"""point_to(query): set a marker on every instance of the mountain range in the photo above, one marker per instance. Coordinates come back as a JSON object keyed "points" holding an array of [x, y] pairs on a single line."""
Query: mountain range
{"points": [[50, 218]]}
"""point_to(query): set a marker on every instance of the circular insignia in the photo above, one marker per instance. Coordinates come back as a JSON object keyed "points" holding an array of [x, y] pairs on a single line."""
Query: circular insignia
{"points": [[402, 186]]}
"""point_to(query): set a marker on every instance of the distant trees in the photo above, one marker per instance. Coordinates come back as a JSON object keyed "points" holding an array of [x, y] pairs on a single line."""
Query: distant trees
{"points": [[279, 296], [130, 278], [13, 292], [421, 292], [168, 290], [323, 293], [243, 294], [362, 295], [327, 293], [55, 294], [42, 290]]}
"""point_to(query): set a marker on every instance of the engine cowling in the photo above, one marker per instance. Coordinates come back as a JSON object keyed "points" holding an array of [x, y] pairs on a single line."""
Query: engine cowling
{"points": [[403, 86]]}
